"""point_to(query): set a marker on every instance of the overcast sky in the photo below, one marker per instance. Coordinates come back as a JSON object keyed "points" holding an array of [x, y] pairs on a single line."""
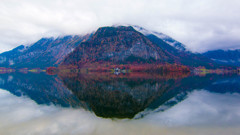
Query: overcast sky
{"points": [[200, 24]]}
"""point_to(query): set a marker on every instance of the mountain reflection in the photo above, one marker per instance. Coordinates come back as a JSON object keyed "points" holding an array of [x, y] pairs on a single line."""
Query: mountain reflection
{"points": [[115, 96], [124, 96], [41, 88]]}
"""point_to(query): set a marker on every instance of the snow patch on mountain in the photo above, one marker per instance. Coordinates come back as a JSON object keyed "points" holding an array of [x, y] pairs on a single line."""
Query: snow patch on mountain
{"points": [[23, 49], [162, 36], [2, 59], [11, 62]]}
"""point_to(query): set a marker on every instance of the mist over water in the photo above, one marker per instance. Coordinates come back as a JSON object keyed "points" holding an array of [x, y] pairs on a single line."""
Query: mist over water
{"points": [[204, 110]]}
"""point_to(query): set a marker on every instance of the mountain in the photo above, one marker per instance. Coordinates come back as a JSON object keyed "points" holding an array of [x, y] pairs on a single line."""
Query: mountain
{"points": [[44, 53], [121, 44], [6, 57], [111, 45], [227, 57], [125, 45]]}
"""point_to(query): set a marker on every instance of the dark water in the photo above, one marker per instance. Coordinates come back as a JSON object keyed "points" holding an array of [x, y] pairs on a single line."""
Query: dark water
{"points": [[120, 104]]}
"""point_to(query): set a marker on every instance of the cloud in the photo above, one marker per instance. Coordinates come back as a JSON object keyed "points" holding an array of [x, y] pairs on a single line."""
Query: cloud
{"points": [[201, 25]]}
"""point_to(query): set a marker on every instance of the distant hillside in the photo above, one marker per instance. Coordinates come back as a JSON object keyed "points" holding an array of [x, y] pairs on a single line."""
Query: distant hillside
{"points": [[228, 57], [44, 53]]}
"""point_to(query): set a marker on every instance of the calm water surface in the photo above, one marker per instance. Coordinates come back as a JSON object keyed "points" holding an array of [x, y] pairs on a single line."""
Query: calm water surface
{"points": [[100, 104]]}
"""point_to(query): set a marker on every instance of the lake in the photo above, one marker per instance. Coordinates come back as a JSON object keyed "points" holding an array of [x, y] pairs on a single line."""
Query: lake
{"points": [[123, 104]]}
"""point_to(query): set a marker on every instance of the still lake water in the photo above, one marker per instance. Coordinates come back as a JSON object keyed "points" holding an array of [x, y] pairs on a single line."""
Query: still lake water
{"points": [[97, 104]]}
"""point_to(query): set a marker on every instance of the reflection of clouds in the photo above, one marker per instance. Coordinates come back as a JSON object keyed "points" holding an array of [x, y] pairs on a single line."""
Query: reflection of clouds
{"points": [[22, 116], [202, 108], [14, 109]]}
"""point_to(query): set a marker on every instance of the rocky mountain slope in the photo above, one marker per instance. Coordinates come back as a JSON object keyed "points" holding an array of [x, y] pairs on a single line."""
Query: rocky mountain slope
{"points": [[124, 45], [44, 53], [116, 45]]}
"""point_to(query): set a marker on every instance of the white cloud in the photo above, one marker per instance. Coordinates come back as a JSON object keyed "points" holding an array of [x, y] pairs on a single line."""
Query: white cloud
{"points": [[201, 25]]}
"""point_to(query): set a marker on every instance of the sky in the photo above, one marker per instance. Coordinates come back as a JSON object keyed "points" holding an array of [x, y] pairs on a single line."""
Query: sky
{"points": [[199, 24]]}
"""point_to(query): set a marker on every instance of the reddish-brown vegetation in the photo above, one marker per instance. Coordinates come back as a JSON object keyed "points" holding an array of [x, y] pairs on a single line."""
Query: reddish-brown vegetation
{"points": [[6, 70], [150, 68], [51, 70]]}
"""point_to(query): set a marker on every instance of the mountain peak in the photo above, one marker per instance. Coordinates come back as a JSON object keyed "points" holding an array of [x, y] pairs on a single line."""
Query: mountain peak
{"points": [[116, 44], [111, 31], [121, 27]]}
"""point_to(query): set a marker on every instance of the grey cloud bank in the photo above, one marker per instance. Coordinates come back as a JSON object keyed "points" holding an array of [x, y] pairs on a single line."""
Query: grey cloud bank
{"points": [[200, 25]]}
